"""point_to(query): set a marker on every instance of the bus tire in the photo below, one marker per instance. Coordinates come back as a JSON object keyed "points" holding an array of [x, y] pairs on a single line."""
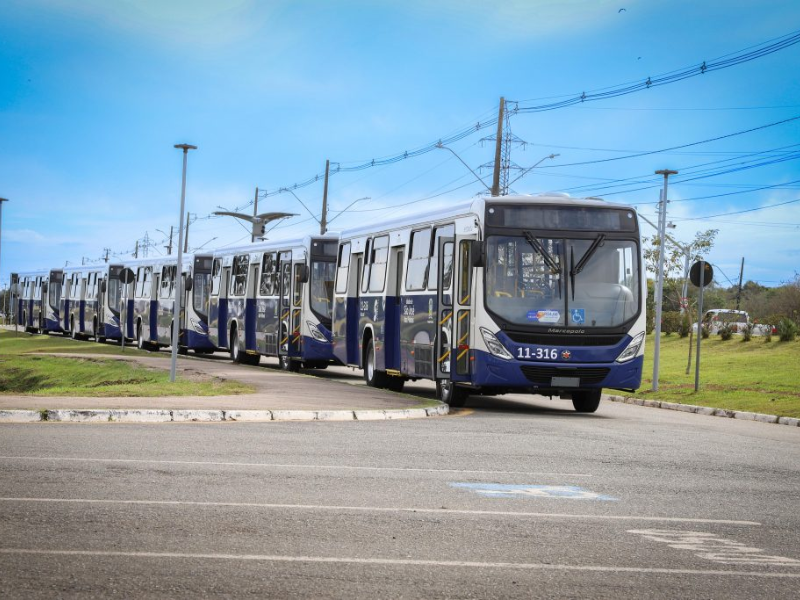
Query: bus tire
{"points": [[73, 329], [140, 343], [373, 377], [235, 350], [450, 393], [100, 339], [287, 364], [586, 401]]}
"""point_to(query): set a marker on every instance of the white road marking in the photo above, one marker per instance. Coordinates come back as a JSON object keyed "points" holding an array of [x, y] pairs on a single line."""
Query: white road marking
{"points": [[285, 466], [438, 511], [559, 492], [715, 548], [397, 562]]}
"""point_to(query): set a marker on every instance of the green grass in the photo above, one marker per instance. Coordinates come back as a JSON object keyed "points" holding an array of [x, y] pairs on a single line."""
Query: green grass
{"points": [[24, 370], [755, 376]]}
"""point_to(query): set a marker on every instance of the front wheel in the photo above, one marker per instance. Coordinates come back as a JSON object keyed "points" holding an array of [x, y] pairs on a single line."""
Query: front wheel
{"points": [[287, 364], [449, 393], [140, 343], [586, 401], [73, 330]]}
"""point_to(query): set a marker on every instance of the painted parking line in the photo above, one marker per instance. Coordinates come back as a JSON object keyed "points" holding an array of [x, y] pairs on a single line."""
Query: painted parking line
{"points": [[715, 548], [285, 466], [387, 509], [399, 562], [561, 492]]}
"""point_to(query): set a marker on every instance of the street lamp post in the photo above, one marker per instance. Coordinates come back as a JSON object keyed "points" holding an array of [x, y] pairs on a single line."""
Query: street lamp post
{"points": [[662, 223], [176, 314]]}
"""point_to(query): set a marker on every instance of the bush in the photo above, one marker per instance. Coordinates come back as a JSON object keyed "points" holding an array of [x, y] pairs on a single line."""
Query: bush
{"points": [[704, 330], [787, 330], [671, 322], [685, 325], [726, 331], [747, 332]]}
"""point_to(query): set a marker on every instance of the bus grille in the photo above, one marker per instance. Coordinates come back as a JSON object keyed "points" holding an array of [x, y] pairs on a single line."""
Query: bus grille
{"points": [[544, 375]]}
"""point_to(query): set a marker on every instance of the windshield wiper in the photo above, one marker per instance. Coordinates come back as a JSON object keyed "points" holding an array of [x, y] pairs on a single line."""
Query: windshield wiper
{"points": [[598, 241], [551, 262]]}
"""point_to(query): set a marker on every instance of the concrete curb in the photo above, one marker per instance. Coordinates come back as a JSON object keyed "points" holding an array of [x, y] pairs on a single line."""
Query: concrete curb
{"points": [[136, 415], [708, 411]]}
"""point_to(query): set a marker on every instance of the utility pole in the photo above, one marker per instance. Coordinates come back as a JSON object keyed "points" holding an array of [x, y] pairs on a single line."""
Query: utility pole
{"points": [[498, 149], [169, 248], [323, 223], [105, 258], [136, 250], [739, 293], [662, 225], [255, 214], [188, 222], [179, 293]]}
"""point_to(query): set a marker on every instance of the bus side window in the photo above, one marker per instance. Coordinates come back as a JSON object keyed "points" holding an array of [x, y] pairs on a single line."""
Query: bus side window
{"points": [[239, 279], [465, 273], [418, 260], [343, 269], [166, 278], [433, 276], [265, 285], [379, 258]]}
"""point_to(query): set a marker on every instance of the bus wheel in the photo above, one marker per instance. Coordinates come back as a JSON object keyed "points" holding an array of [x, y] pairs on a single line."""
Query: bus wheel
{"points": [[287, 364], [372, 376], [449, 393], [73, 329], [100, 339], [235, 350], [140, 343], [586, 401]]}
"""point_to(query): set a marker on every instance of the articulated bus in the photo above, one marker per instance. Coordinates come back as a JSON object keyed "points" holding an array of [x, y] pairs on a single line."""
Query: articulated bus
{"points": [[274, 299], [151, 303], [541, 294], [88, 300]]}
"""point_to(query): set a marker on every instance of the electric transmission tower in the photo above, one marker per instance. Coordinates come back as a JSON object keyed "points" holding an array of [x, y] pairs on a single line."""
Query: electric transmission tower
{"points": [[504, 140]]}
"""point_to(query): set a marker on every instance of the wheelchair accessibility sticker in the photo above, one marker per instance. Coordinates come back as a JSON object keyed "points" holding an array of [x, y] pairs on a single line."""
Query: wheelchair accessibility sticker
{"points": [[563, 492], [577, 316]]}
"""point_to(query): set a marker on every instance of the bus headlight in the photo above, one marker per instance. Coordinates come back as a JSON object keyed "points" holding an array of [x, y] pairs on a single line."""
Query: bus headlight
{"points": [[316, 333], [494, 345], [632, 350]]}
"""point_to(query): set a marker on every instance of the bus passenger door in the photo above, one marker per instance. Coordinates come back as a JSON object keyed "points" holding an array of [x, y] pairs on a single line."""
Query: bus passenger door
{"points": [[444, 294], [284, 303], [463, 284]]}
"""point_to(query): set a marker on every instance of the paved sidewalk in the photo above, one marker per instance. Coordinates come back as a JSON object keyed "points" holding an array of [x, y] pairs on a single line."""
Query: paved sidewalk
{"points": [[279, 396]]}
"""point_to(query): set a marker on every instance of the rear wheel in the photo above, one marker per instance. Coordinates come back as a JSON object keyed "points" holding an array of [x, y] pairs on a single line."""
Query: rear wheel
{"points": [[395, 384], [73, 329], [140, 343], [235, 350], [372, 376], [586, 401], [449, 393]]}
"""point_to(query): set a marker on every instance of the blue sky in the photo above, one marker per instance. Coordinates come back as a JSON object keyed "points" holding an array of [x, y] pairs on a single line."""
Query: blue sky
{"points": [[95, 93]]}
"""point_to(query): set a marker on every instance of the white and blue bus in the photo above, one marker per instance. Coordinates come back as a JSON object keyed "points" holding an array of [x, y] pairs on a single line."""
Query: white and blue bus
{"points": [[32, 311], [541, 294], [88, 299], [274, 299], [151, 302]]}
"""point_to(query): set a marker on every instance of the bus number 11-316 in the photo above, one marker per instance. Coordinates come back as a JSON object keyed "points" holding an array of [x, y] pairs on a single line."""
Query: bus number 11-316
{"points": [[538, 353]]}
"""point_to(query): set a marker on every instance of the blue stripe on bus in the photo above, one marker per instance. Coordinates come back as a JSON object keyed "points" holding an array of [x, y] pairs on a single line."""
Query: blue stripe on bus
{"points": [[391, 349], [250, 324], [351, 335], [153, 334]]}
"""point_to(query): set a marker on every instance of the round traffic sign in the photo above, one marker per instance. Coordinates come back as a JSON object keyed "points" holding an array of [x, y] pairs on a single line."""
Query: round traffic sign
{"points": [[708, 273]]}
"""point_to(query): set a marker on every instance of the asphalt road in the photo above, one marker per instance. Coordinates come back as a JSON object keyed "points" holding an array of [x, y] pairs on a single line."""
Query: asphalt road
{"points": [[510, 498]]}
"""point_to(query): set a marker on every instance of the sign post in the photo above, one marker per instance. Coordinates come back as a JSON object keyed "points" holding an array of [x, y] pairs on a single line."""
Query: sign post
{"points": [[701, 275]]}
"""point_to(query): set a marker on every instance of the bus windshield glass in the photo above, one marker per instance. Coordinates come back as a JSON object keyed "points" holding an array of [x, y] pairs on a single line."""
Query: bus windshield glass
{"points": [[323, 273], [562, 282]]}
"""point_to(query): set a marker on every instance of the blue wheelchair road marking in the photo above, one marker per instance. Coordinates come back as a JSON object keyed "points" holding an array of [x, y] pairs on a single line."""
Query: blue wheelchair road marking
{"points": [[563, 492]]}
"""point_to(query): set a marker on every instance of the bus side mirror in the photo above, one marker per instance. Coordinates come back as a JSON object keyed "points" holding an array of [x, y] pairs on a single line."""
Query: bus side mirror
{"points": [[302, 273], [187, 283], [477, 253]]}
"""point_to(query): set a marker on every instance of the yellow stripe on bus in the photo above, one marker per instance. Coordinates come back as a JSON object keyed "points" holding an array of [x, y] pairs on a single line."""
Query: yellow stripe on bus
{"points": [[465, 336], [460, 356], [464, 300], [446, 354], [446, 319], [463, 315]]}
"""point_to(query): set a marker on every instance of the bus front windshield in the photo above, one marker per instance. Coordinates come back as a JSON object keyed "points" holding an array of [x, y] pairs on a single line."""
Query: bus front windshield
{"points": [[562, 282], [323, 273]]}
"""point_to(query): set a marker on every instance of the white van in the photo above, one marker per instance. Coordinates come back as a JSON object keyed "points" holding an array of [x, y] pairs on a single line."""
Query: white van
{"points": [[716, 318]]}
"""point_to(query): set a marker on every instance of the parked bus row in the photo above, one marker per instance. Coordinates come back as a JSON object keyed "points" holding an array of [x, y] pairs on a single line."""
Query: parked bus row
{"points": [[540, 294]]}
